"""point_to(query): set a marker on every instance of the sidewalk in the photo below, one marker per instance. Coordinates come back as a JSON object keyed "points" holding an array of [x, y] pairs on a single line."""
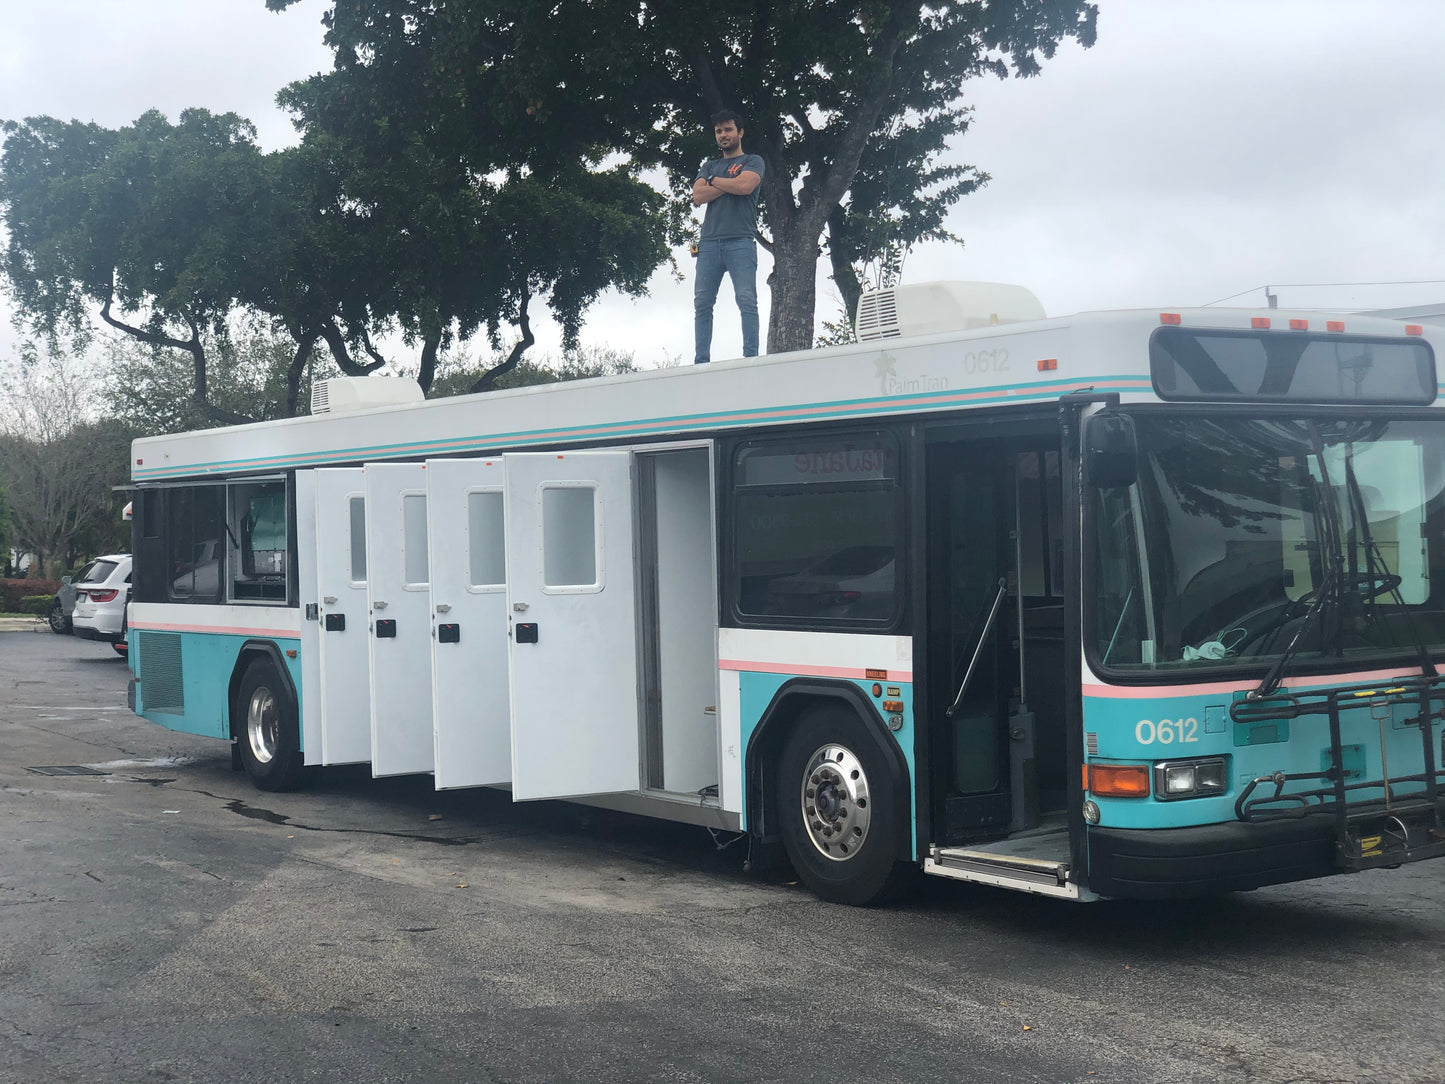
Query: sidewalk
{"points": [[24, 623]]}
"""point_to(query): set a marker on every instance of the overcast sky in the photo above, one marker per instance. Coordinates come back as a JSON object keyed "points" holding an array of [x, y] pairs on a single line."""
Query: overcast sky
{"points": [[1203, 148]]}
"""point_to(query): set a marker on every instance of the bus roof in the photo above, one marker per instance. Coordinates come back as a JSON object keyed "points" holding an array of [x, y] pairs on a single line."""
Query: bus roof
{"points": [[1011, 364]]}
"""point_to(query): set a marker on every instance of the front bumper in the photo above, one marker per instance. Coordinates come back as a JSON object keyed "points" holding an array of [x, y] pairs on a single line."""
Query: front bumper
{"points": [[1170, 863]]}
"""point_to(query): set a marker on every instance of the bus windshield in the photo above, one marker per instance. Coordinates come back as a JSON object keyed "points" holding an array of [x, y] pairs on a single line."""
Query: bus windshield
{"points": [[1246, 539]]}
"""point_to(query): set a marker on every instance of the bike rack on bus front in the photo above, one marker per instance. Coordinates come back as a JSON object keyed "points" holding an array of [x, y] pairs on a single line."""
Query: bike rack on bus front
{"points": [[1387, 830]]}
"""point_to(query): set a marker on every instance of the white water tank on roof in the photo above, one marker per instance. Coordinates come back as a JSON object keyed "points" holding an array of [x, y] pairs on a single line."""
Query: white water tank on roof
{"points": [[342, 394], [931, 308]]}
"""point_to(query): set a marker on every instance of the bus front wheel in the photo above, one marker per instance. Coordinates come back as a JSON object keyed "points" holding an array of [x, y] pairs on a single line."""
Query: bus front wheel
{"points": [[263, 719], [838, 810]]}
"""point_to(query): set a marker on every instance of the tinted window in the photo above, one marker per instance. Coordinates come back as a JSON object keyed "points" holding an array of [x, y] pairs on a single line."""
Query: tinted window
{"points": [[815, 529], [1190, 363], [96, 572], [194, 529]]}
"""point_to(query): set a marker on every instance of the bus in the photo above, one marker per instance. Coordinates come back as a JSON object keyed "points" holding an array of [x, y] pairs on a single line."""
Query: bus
{"points": [[1125, 604]]}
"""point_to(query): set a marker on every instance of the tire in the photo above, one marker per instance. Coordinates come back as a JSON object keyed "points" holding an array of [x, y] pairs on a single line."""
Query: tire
{"points": [[59, 623], [263, 719], [122, 646], [838, 812]]}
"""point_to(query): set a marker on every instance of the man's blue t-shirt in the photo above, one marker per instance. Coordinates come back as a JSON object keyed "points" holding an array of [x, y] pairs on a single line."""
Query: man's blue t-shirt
{"points": [[731, 215]]}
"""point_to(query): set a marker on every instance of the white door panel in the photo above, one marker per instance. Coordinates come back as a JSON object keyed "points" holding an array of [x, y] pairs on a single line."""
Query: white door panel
{"points": [[571, 596], [305, 494], [340, 596], [399, 601], [471, 725]]}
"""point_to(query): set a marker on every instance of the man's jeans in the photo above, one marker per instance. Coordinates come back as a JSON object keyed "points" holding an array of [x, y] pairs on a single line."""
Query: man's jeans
{"points": [[737, 256]]}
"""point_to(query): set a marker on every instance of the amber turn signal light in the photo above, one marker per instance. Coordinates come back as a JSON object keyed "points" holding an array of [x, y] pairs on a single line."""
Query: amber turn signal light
{"points": [[1118, 780]]}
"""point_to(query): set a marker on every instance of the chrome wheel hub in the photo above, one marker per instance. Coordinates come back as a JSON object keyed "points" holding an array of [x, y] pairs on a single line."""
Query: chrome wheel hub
{"points": [[263, 725], [835, 802]]}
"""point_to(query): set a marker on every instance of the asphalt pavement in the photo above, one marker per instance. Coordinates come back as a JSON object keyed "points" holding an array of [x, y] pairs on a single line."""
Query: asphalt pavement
{"points": [[161, 920]]}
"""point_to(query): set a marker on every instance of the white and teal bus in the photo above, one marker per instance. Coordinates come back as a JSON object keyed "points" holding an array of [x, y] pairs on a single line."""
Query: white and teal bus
{"points": [[1126, 604]]}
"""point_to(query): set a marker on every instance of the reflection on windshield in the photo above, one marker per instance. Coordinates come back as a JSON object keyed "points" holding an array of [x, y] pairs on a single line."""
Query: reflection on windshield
{"points": [[1246, 539]]}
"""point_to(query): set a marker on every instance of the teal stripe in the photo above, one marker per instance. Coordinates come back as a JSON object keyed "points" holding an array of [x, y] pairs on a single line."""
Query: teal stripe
{"points": [[680, 423]]}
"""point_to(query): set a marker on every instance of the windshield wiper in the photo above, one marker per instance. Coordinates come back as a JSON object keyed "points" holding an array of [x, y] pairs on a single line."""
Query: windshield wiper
{"points": [[1376, 567], [1328, 516], [1276, 672]]}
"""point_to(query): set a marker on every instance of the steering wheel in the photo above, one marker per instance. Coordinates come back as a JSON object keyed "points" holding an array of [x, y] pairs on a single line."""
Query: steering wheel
{"points": [[1379, 583], [1242, 637]]}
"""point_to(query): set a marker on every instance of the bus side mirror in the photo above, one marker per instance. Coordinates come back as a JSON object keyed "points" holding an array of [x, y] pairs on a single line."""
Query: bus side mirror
{"points": [[1110, 451]]}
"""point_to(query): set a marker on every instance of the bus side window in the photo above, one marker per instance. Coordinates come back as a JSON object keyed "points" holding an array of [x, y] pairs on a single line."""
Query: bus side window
{"points": [[258, 530], [815, 530], [193, 530]]}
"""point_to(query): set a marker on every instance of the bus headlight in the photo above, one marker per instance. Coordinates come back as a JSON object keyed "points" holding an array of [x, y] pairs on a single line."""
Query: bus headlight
{"points": [[1198, 778]]}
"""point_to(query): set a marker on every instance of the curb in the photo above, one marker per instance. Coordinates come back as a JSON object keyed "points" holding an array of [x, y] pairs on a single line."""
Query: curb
{"points": [[23, 624]]}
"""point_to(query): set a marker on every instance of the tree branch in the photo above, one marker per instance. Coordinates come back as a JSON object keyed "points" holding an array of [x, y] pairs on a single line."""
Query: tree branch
{"points": [[489, 378]]}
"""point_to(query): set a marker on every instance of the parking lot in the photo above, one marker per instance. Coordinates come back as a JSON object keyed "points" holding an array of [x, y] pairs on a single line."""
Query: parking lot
{"points": [[162, 920]]}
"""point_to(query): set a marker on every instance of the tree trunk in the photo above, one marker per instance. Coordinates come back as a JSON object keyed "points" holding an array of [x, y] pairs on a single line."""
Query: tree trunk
{"points": [[304, 345], [845, 276], [794, 290], [488, 379]]}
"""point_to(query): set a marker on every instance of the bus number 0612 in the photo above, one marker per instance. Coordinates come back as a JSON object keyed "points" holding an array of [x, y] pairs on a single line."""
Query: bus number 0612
{"points": [[1166, 731]]}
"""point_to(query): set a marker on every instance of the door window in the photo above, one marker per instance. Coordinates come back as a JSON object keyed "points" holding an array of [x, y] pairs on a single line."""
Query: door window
{"points": [[571, 538]]}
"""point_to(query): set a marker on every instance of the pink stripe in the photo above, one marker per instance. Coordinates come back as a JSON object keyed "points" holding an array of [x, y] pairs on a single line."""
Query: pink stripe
{"points": [[280, 634], [1151, 692], [801, 669]]}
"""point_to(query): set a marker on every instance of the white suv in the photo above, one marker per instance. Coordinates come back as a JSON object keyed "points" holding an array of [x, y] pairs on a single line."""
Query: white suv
{"points": [[100, 601]]}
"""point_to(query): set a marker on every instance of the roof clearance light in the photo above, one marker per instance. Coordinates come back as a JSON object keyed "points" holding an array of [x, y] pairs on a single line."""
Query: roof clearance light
{"points": [[1119, 780], [1048, 365], [1170, 318], [1260, 323], [1334, 325], [1299, 325], [1410, 329]]}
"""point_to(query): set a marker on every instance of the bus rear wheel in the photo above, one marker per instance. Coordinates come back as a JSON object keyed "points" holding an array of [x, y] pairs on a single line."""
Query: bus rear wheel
{"points": [[838, 810], [263, 719]]}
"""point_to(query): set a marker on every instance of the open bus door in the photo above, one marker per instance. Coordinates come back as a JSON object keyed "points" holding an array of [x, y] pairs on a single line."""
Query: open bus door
{"points": [[973, 661], [572, 605], [465, 526], [399, 599]]}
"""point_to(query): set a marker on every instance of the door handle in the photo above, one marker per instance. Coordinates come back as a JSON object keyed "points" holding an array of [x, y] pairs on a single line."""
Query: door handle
{"points": [[335, 622], [526, 633], [449, 634], [385, 630]]}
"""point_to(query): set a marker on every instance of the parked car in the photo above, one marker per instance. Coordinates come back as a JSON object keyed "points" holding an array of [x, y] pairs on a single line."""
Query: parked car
{"points": [[855, 582], [101, 594], [64, 605]]}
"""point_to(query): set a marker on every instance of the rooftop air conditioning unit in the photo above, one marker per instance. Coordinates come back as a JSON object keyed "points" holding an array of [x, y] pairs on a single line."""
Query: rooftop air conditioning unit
{"points": [[931, 308], [343, 394]]}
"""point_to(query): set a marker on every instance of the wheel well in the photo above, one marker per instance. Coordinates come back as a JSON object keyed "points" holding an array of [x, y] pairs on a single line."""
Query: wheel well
{"points": [[250, 651], [788, 704]]}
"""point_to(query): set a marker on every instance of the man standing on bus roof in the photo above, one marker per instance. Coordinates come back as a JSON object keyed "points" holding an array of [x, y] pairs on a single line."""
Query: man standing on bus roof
{"points": [[729, 187]]}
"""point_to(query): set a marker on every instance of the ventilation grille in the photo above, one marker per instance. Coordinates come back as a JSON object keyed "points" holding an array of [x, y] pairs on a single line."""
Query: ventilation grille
{"points": [[878, 316], [321, 397], [162, 683]]}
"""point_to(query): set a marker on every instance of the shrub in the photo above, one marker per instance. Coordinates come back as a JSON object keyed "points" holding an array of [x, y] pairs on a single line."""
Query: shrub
{"points": [[36, 604], [12, 591]]}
